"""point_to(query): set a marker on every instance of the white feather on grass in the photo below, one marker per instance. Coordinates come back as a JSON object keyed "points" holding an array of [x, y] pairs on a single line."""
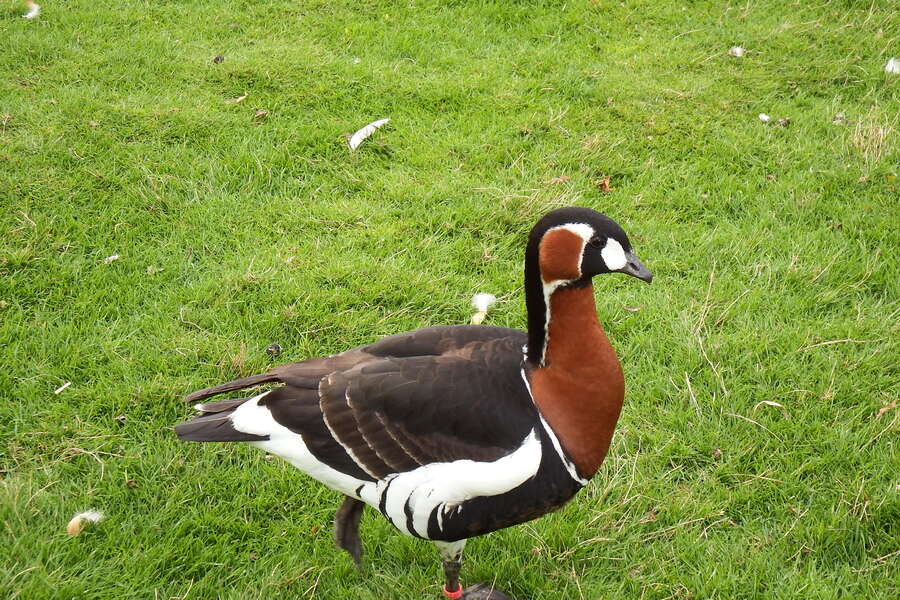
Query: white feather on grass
{"points": [[482, 302], [81, 519], [892, 66], [33, 11], [357, 138]]}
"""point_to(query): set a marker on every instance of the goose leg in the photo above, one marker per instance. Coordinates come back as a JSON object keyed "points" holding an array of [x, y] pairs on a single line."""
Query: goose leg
{"points": [[346, 528], [452, 589], [451, 557]]}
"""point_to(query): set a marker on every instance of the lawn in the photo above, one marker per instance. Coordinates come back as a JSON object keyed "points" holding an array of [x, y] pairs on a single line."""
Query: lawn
{"points": [[758, 453]]}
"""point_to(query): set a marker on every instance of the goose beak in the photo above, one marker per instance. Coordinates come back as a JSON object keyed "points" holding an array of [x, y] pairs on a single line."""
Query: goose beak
{"points": [[634, 268]]}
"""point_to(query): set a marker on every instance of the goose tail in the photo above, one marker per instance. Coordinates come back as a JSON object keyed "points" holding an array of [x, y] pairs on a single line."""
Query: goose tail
{"points": [[215, 424]]}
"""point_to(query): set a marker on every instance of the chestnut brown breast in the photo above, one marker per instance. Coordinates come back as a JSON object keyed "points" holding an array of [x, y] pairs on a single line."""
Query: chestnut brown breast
{"points": [[581, 388]]}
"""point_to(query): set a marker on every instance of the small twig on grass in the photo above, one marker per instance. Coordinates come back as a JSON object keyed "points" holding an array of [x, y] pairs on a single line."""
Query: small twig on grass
{"points": [[691, 392], [582, 544], [626, 498], [674, 469], [755, 423], [880, 433], [70, 452], [713, 524], [23, 572], [866, 275], [542, 545], [292, 580], [311, 590], [880, 562], [188, 591], [39, 491], [803, 548], [830, 342], [661, 532], [316, 330], [887, 556], [727, 308], [27, 218], [577, 583], [683, 33], [705, 308], [828, 266], [890, 318], [712, 366], [772, 403], [794, 524]]}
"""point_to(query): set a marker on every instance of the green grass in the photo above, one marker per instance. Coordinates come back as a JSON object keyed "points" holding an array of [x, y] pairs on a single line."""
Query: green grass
{"points": [[236, 231]]}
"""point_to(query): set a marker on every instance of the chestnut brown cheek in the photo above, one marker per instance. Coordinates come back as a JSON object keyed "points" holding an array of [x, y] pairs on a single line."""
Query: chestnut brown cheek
{"points": [[560, 255]]}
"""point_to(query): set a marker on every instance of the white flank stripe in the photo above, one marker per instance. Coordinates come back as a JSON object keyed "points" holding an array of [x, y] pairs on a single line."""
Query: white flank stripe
{"points": [[403, 487], [458, 481], [443, 486], [250, 417], [570, 466]]}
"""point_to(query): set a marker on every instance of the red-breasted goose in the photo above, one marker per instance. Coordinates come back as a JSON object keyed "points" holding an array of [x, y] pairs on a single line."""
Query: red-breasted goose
{"points": [[454, 431]]}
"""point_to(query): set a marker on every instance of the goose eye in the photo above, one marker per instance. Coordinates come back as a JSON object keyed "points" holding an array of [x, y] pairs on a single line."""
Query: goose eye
{"points": [[597, 242]]}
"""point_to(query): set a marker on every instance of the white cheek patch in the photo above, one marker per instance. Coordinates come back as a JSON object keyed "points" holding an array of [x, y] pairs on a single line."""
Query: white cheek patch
{"points": [[613, 255]]}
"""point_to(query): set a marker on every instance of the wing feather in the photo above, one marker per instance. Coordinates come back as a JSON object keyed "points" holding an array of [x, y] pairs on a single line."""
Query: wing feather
{"points": [[438, 394], [396, 414]]}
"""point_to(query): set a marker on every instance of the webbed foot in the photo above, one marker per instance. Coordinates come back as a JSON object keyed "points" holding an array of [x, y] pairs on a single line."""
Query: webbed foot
{"points": [[481, 591]]}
